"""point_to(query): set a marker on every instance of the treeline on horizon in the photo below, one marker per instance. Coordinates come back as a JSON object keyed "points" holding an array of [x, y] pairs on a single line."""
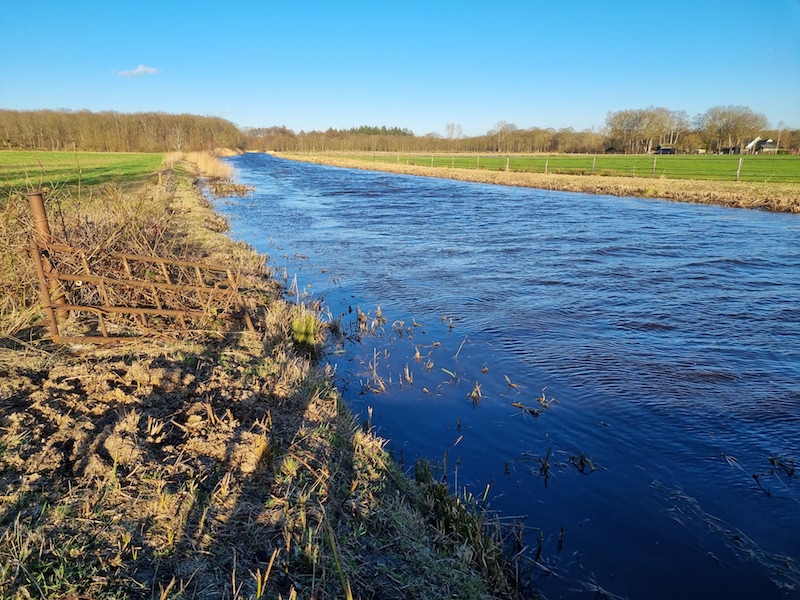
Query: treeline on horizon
{"points": [[115, 132], [631, 131]]}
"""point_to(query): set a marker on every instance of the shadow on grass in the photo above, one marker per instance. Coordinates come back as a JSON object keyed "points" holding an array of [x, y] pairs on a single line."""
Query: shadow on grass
{"points": [[204, 471], [137, 472]]}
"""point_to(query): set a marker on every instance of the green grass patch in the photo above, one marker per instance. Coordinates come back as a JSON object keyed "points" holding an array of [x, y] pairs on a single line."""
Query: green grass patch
{"points": [[761, 168], [22, 169]]}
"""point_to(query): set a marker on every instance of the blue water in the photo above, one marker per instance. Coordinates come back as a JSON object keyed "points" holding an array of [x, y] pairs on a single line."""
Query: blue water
{"points": [[666, 334]]}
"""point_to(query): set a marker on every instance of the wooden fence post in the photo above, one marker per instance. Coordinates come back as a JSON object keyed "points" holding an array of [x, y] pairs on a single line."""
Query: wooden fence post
{"points": [[653, 172], [739, 168], [546, 160], [507, 159], [594, 161]]}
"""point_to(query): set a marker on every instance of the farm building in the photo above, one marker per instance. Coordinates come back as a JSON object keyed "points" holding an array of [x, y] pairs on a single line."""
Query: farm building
{"points": [[759, 146], [766, 147]]}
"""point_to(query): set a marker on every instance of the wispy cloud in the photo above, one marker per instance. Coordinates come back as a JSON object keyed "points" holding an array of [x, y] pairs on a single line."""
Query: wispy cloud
{"points": [[138, 72]]}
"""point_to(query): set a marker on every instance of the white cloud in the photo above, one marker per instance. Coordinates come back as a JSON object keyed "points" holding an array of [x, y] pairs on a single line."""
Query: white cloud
{"points": [[138, 71]]}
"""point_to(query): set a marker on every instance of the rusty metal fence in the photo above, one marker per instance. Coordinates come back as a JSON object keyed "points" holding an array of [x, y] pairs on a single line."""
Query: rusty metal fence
{"points": [[148, 290]]}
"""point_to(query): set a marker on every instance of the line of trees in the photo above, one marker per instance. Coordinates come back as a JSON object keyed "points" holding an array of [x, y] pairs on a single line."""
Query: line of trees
{"points": [[719, 128], [629, 131], [369, 130], [730, 126], [641, 130], [115, 132], [505, 137]]}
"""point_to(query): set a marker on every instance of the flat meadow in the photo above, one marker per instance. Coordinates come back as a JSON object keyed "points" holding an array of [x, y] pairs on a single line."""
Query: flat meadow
{"points": [[722, 167], [22, 169]]}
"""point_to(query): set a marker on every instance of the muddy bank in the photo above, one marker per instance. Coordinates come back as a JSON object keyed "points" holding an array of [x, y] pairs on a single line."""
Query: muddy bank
{"points": [[763, 196]]}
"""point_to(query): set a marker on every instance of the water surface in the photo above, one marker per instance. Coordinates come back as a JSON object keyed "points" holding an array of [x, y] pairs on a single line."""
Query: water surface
{"points": [[667, 334]]}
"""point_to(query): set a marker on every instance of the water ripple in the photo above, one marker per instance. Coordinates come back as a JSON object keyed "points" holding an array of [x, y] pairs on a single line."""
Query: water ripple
{"points": [[668, 333]]}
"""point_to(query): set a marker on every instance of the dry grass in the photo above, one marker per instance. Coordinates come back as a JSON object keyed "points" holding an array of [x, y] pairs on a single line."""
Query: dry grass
{"points": [[154, 220], [764, 196], [208, 165], [210, 467]]}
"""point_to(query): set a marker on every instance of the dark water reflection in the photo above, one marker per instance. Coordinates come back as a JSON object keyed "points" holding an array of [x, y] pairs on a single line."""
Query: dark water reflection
{"points": [[669, 335]]}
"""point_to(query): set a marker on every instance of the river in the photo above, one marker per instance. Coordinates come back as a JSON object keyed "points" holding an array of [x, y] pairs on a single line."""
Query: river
{"points": [[621, 374]]}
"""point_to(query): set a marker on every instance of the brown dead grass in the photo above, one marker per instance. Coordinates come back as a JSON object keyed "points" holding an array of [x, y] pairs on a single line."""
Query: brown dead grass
{"points": [[211, 467], [207, 164], [763, 196]]}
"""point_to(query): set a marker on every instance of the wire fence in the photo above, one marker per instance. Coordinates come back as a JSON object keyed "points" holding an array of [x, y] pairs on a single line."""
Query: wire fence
{"points": [[751, 168]]}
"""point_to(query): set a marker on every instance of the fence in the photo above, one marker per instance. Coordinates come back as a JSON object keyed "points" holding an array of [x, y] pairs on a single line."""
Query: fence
{"points": [[141, 288], [754, 168]]}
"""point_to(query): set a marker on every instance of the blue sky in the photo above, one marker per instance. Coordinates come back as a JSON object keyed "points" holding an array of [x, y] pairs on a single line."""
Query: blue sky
{"points": [[416, 64]]}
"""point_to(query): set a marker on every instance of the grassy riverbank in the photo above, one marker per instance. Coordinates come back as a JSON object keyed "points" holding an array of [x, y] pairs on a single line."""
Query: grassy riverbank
{"points": [[763, 168], [777, 197], [199, 464]]}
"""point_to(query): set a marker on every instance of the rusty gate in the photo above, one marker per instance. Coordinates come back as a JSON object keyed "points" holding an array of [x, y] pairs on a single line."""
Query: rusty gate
{"points": [[143, 288]]}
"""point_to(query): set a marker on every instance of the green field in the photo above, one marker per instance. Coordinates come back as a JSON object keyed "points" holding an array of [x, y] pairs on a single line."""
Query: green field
{"points": [[30, 170], [762, 168]]}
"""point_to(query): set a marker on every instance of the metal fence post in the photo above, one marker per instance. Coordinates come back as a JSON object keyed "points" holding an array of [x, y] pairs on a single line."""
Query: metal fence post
{"points": [[44, 291], [40, 223], [50, 289]]}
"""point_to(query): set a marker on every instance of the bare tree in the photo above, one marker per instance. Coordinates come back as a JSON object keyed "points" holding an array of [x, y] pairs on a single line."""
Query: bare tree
{"points": [[501, 133], [178, 137], [453, 131]]}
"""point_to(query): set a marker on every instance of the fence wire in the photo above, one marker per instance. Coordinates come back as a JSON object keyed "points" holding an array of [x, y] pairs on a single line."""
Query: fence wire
{"points": [[752, 168]]}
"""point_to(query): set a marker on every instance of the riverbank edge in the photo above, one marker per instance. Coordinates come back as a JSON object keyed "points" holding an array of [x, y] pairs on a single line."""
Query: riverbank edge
{"points": [[158, 468], [771, 197]]}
